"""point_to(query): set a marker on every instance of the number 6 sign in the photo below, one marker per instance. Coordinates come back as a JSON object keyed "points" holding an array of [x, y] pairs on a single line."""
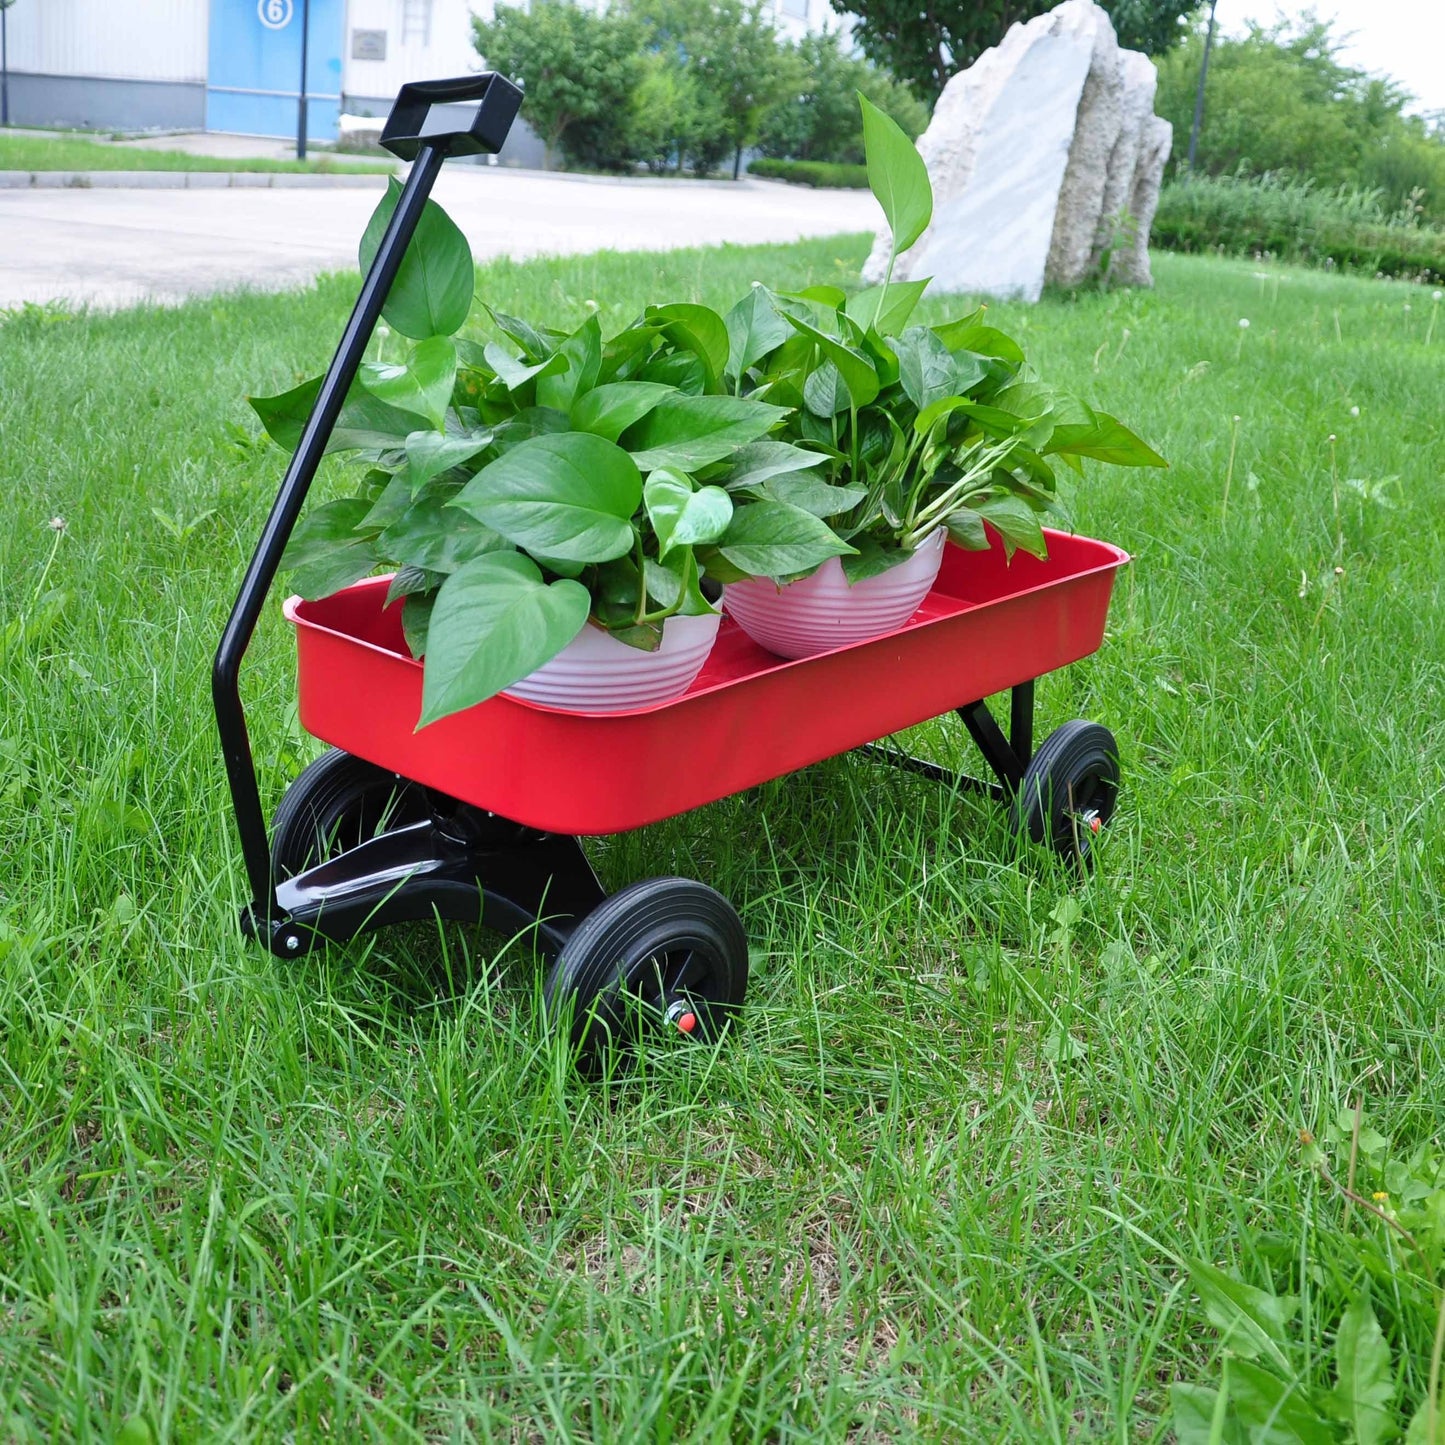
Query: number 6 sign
{"points": [[274, 14]]}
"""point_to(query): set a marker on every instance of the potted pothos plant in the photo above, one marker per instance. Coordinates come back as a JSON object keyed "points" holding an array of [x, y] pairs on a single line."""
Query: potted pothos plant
{"points": [[549, 503], [558, 508], [898, 435]]}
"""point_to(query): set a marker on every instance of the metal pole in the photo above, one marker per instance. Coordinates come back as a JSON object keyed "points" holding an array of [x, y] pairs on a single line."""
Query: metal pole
{"points": [[1199, 94], [4, 66], [225, 676], [301, 103]]}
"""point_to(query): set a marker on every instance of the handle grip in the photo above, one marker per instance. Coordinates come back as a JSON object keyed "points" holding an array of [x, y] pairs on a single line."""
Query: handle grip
{"points": [[412, 123]]}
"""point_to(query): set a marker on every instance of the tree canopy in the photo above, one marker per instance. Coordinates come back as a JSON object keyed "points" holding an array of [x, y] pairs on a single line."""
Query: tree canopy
{"points": [[926, 46], [579, 69], [735, 67], [1280, 98], [679, 84]]}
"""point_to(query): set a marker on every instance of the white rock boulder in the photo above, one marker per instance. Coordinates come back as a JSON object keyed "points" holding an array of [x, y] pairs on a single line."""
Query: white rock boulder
{"points": [[1045, 157]]}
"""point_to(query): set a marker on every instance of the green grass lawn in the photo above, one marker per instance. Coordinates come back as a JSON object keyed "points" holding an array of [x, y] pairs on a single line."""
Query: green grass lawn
{"points": [[76, 153], [940, 1183]]}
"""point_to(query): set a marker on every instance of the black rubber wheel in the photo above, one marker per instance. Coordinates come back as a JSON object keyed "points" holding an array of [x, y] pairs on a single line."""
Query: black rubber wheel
{"points": [[335, 803], [1069, 789], [667, 950]]}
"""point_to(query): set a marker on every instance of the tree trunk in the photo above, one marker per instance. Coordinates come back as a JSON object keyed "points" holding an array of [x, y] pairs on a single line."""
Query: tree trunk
{"points": [[737, 162]]}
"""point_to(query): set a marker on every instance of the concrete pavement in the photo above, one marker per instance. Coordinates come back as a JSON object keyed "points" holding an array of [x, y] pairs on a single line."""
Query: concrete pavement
{"points": [[118, 247]]}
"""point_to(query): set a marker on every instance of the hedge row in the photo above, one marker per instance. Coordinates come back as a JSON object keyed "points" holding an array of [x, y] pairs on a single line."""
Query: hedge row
{"points": [[828, 174], [1295, 221]]}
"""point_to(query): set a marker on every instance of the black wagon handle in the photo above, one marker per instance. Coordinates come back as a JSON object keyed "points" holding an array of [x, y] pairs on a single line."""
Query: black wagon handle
{"points": [[426, 136]]}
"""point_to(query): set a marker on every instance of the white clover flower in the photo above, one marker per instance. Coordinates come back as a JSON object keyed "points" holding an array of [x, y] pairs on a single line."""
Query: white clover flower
{"points": [[58, 524], [1407, 306], [1354, 411], [1244, 323], [1436, 295]]}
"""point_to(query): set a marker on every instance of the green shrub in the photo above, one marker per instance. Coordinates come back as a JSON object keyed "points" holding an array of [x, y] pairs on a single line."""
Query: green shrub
{"points": [[1348, 227], [828, 174], [1281, 98]]}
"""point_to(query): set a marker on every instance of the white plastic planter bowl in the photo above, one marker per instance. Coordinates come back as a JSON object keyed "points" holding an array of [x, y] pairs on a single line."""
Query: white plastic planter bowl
{"points": [[823, 611], [597, 673]]}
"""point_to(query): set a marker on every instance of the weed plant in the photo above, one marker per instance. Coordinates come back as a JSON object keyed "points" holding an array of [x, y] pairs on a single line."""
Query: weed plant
{"points": [[947, 1180]]}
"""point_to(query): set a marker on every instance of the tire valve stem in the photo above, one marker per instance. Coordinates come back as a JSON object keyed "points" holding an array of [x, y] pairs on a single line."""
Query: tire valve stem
{"points": [[681, 1016]]}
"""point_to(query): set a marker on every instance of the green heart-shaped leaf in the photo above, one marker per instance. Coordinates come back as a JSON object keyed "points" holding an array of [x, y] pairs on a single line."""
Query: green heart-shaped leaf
{"points": [[364, 421], [429, 453], [431, 534], [422, 383], [513, 373], [689, 432], [754, 329], [583, 350], [886, 309], [608, 410], [968, 335], [535, 344], [494, 621], [1016, 522], [859, 374], [873, 560], [1106, 440], [432, 292], [813, 494], [682, 515], [569, 495], [698, 329], [753, 464], [825, 393], [897, 176], [327, 552], [772, 539], [673, 584], [926, 368], [965, 527]]}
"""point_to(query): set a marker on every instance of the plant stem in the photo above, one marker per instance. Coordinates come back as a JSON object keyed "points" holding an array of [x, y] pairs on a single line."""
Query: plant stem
{"points": [[1229, 473], [1354, 1157], [1432, 1400], [641, 582], [1335, 490], [45, 570], [926, 520], [887, 281]]}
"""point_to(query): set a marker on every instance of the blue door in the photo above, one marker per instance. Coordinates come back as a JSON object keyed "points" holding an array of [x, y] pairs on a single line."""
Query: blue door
{"points": [[255, 66]]}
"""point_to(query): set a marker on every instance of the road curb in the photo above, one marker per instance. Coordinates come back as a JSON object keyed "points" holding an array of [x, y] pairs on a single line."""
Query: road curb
{"points": [[184, 180]]}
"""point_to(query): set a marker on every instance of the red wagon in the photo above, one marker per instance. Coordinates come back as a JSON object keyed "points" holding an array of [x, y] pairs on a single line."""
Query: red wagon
{"points": [[478, 817]]}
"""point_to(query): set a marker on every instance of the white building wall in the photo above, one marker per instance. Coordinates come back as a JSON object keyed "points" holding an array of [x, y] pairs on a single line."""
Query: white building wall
{"points": [[425, 40], [155, 40]]}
